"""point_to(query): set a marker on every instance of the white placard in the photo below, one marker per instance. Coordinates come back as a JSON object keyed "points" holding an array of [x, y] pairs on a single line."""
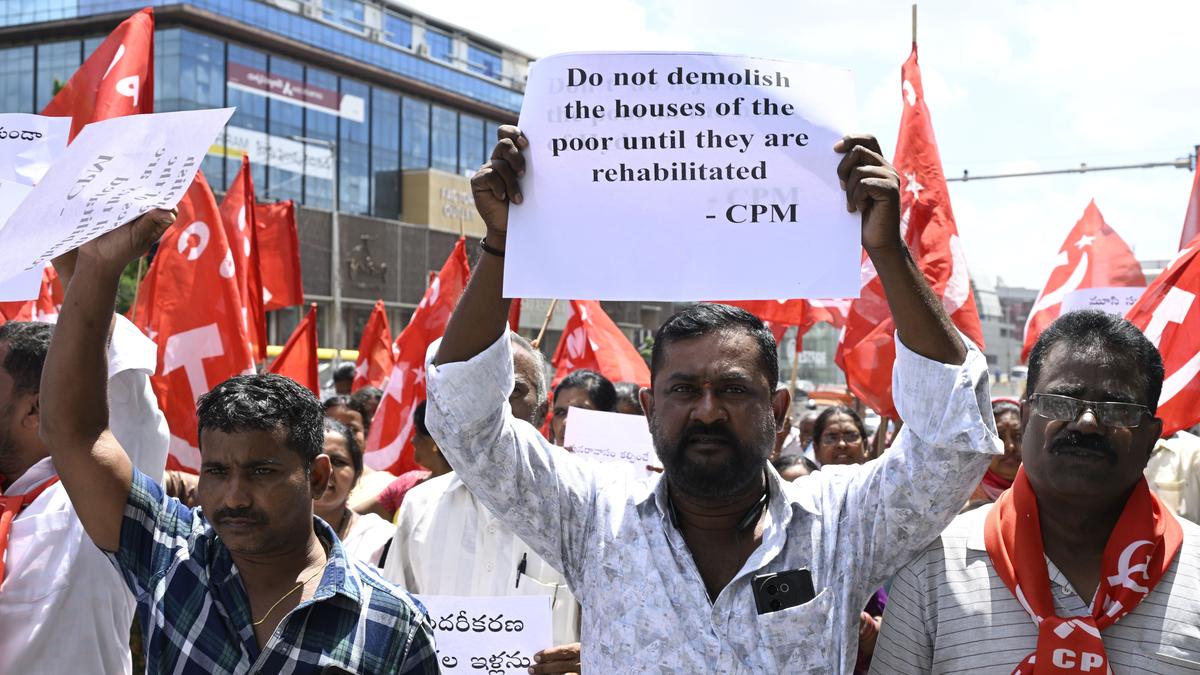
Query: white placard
{"points": [[29, 144], [610, 437], [1113, 300], [489, 634], [114, 171], [659, 176]]}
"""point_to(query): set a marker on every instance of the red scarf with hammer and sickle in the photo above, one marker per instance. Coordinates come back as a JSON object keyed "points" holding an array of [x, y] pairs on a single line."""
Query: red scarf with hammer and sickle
{"points": [[1139, 551]]}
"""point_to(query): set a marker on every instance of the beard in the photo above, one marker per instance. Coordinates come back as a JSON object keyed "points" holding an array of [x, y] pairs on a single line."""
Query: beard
{"points": [[727, 477]]}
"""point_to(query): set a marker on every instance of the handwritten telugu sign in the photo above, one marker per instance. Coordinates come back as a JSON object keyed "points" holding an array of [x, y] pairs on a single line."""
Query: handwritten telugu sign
{"points": [[610, 437], [489, 635], [29, 144], [1112, 300], [657, 176], [114, 171]]}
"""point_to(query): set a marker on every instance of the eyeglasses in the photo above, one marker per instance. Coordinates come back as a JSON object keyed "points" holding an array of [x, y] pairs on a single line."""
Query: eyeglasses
{"points": [[833, 439], [1068, 409]]}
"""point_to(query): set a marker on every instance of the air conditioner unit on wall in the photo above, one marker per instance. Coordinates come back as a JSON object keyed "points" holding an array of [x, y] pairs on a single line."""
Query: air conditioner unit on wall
{"points": [[311, 10], [423, 50]]}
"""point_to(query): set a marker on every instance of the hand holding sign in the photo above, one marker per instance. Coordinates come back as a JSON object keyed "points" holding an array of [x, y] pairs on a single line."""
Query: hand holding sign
{"points": [[119, 247]]}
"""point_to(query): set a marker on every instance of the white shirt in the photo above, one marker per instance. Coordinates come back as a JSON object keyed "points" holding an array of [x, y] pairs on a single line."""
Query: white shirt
{"points": [[646, 609], [63, 607], [448, 543], [367, 536], [949, 612], [1174, 474]]}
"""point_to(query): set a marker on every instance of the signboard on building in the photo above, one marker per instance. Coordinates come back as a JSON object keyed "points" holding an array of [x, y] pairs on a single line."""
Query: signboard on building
{"points": [[276, 152], [288, 90], [441, 200]]}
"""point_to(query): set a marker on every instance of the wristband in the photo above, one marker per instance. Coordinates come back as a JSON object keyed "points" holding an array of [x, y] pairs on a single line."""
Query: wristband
{"points": [[490, 249]]}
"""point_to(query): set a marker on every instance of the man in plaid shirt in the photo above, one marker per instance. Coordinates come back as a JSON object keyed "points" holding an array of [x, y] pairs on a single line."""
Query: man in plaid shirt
{"points": [[250, 581]]}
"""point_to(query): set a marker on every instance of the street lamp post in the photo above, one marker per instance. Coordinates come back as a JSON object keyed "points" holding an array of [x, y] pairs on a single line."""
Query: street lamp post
{"points": [[335, 247]]}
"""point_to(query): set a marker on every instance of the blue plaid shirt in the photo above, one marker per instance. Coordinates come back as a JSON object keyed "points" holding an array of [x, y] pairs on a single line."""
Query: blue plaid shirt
{"points": [[196, 614]]}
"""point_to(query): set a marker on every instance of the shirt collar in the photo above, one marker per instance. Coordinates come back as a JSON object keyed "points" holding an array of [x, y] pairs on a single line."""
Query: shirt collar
{"points": [[783, 501], [34, 476]]}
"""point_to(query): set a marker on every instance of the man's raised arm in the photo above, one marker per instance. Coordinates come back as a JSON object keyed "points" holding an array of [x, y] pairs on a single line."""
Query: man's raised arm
{"points": [[482, 313], [73, 402]]}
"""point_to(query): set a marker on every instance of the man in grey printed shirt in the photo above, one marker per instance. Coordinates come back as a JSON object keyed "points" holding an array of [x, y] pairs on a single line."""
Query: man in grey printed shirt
{"points": [[664, 569]]}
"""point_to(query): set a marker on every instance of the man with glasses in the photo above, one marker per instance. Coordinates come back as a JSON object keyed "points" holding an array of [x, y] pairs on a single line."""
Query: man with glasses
{"points": [[1078, 568]]}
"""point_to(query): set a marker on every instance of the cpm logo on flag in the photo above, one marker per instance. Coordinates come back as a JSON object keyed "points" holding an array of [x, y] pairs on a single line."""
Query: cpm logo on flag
{"points": [[1169, 314]]}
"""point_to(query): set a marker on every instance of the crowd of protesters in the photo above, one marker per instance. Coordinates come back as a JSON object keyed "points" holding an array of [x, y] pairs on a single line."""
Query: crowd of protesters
{"points": [[1049, 534]]}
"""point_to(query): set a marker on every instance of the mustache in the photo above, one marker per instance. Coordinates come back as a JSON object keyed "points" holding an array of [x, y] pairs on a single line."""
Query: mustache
{"points": [[1095, 442], [245, 513], [719, 430]]}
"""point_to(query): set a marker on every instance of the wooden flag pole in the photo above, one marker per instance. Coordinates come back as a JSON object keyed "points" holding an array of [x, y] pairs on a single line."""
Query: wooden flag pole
{"points": [[138, 288], [881, 437], [537, 341], [795, 363]]}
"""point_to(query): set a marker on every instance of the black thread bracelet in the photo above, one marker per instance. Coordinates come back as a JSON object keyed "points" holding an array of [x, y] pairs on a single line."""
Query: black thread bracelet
{"points": [[490, 249]]}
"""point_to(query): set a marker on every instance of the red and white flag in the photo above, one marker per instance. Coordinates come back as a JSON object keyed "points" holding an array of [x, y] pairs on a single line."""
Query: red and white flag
{"points": [[867, 351], [241, 230], [804, 314], [279, 260], [50, 296], [388, 445], [1169, 314], [591, 340], [298, 360], [514, 315], [20, 310], [1093, 256], [189, 304], [116, 80], [375, 356]]}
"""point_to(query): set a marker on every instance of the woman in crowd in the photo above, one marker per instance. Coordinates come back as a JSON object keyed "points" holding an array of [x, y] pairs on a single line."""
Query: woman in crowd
{"points": [[1003, 469], [426, 453], [580, 389], [840, 437], [349, 411], [628, 401], [362, 536]]}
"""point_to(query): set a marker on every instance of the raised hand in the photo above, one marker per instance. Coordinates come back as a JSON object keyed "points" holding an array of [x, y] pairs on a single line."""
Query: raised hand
{"points": [[497, 182], [116, 249], [872, 189]]}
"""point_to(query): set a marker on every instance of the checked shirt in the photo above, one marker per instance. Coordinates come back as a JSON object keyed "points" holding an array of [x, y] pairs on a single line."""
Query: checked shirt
{"points": [[196, 613]]}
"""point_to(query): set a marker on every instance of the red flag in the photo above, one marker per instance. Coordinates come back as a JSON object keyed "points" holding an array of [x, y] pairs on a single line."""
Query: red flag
{"points": [[1169, 315], [1191, 220], [241, 230], [50, 297], [514, 315], [20, 310], [867, 351], [591, 340], [189, 304], [116, 80], [280, 261], [375, 356], [1093, 256], [803, 313], [388, 446], [298, 360]]}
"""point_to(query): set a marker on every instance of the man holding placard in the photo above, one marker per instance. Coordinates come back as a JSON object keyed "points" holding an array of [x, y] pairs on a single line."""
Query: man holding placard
{"points": [[720, 566]]}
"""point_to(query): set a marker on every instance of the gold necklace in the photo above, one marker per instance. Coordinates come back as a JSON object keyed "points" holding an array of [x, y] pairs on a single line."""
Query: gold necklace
{"points": [[298, 586]]}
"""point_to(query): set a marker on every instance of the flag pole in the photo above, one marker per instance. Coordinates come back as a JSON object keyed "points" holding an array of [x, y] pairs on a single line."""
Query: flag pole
{"points": [[914, 23], [795, 363], [537, 341], [138, 287]]}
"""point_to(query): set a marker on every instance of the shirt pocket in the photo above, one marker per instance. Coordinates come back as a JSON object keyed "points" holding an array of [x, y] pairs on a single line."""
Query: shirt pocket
{"points": [[797, 637], [42, 550]]}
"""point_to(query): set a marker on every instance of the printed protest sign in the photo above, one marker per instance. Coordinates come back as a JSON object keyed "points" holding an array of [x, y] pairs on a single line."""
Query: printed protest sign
{"points": [[610, 437], [114, 171], [656, 176], [1115, 300], [496, 635]]}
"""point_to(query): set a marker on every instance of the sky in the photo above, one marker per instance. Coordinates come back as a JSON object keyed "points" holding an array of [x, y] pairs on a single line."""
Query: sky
{"points": [[1011, 86]]}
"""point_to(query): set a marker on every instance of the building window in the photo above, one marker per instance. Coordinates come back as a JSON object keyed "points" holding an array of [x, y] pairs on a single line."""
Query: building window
{"points": [[285, 120], [348, 13], [415, 134], [250, 116], [397, 30], [441, 47], [56, 63], [445, 139], [484, 62], [385, 154], [189, 74], [318, 183], [354, 155], [470, 144], [16, 87]]}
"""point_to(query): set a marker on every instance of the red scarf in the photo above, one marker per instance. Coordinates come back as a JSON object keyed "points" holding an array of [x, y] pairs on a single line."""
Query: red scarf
{"points": [[9, 508], [993, 484], [1139, 550]]}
